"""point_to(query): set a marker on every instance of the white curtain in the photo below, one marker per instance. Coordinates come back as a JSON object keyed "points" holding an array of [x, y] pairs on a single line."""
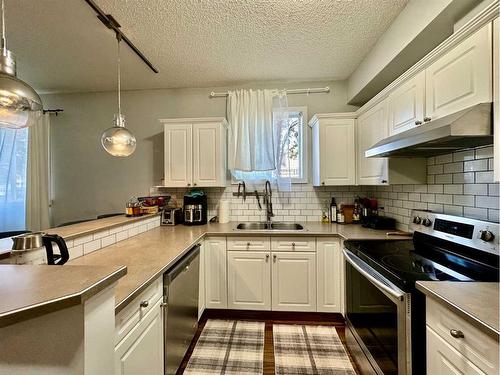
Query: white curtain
{"points": [[258, 136], [37, 195], [13, 155]]}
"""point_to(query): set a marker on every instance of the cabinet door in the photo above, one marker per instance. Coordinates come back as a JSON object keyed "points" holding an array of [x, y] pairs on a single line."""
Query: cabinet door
{"points": [[336, 152], [215, 273], [294, 281], [178, 155], [209, 154], [249, 280], [372, 127], [496, 95], [443, 359], [462, 77], [141, 351], [406, 105], [329, 288]]}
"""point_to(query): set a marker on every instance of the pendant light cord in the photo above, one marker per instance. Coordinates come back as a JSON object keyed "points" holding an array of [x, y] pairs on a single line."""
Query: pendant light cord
{"points": [[4, 41], [118, 37]]}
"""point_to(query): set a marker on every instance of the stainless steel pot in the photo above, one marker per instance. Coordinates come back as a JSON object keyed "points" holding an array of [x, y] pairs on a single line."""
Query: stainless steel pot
{"points": [[27, 241]]}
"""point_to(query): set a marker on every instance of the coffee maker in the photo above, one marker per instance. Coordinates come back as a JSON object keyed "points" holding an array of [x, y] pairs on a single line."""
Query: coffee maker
{"points": [[195, 208]]}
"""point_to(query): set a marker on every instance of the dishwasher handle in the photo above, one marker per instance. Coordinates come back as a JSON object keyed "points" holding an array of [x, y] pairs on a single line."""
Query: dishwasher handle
{"points": [[182, 265]]}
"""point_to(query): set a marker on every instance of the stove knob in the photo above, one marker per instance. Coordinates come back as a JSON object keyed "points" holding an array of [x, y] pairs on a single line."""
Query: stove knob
{"points": [[427, 222], [417, 220], [486, 235]]}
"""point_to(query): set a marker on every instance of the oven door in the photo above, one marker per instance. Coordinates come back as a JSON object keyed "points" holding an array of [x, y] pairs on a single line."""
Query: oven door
{"points": [[378, 317]]}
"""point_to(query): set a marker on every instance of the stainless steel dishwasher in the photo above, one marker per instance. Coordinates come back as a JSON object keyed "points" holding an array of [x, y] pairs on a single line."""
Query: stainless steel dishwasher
{"points": [[180, 293]]}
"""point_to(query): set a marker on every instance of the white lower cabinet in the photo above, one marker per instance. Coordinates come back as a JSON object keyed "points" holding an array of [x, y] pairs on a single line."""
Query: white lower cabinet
{"points": [[215, 273], [249, 280], [443, 359], [141, 351], [329, 275], [294, 281]]}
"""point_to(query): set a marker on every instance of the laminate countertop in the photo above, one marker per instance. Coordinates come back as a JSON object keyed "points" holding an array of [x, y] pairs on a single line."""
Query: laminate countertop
{"points": [[150, 254], [30, 291], [478, 302]]}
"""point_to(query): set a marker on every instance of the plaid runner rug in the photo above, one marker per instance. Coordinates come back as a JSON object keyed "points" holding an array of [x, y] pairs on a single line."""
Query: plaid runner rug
{"points": [[305, 349], [228, 347]]}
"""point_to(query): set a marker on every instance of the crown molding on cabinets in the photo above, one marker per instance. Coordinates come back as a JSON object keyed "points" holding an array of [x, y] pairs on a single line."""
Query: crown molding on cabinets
{"points": [[339, 115], [479, 20]]}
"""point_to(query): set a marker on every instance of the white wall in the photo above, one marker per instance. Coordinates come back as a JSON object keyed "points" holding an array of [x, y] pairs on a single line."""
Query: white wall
{"points": [[86, 181]]}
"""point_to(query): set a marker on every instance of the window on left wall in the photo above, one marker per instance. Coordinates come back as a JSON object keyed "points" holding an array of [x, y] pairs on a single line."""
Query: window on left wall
{"points": [[13, 165]]}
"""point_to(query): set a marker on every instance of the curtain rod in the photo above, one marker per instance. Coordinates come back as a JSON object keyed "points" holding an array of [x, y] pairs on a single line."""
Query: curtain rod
{"points": [[53, 111], [308, 91]]}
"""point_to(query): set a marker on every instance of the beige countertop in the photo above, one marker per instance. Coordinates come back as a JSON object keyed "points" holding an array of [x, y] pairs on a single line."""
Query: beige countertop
{"points": [[30, 291], [150, 254], [478, 302]]}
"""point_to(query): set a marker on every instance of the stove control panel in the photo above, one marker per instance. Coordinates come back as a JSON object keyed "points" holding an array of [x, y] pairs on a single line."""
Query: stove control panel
{"points": [[482, 235]]}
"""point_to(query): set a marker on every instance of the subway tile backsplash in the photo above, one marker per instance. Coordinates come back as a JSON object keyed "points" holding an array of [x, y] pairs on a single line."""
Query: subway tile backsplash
{"points": [[460, 183]]}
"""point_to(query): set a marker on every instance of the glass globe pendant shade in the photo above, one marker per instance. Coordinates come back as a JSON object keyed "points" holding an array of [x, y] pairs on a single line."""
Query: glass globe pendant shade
{"points": [[20, 105], [118, 140]]}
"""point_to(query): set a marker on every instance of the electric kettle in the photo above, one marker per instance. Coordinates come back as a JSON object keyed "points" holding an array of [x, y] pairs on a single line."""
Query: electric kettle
{"points": [[32, 241]]}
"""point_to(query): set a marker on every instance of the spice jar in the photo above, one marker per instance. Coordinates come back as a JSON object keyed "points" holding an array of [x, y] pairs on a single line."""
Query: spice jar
{"points": [[133, 207]]}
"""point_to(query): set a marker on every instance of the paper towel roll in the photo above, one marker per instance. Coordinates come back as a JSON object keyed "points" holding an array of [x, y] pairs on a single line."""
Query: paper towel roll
{"points": [[224, 206]]}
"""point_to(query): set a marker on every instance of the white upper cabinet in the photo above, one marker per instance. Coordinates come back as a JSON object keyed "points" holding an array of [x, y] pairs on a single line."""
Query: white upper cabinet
{"points": [[406, 105], [195, 152], [372, 127], [178, 155], [334, 155], [462, 77]]}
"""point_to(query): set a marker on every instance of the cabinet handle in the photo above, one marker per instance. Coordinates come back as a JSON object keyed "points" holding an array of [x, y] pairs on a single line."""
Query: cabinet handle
{"points": [[189, 185], [293, 244], [457, 334], [323, 183], [194, 184], [418, 122], [144, 303], [427, 119], [267, 257], [274, 258], [384, 181], [248, 244]]}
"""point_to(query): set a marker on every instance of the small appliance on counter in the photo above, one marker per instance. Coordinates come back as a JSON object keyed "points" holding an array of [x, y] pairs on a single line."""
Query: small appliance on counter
{"points": [[37, 248], [172, 216], [195, 207], [379, 222]]}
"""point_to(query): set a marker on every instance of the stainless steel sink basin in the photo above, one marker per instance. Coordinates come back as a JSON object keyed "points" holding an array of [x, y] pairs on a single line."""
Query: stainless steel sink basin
{"points": [[286, 226], [274, 226], [252, 226]]}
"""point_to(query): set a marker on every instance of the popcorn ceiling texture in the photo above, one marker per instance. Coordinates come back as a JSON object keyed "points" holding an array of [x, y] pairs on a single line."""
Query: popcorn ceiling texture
{"points": [[197, 43], [458, 184]]}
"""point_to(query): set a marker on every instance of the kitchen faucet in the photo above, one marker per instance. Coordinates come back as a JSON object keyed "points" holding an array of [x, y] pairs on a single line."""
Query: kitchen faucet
{"points": [[267, 201]]}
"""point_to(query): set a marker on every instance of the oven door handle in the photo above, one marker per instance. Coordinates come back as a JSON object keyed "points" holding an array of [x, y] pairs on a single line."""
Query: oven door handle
{"points": [[373, 276]]}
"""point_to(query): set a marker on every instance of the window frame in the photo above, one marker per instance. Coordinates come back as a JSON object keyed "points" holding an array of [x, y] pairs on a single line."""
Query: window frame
{"points": [[303, 146]]}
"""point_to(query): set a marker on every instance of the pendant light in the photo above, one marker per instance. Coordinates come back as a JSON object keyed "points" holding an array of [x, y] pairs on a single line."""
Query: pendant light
{"points": [[118, 140], [20, 105]]}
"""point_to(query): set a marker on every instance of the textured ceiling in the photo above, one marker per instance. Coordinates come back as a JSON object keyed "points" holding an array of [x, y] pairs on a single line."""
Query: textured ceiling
{"points": [[61, 46]]}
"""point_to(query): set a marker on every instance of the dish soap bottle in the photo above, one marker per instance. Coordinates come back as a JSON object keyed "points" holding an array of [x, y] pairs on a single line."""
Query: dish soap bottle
{"points": [[324, 213]]}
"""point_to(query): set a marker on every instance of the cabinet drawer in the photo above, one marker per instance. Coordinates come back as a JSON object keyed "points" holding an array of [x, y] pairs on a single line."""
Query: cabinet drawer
{"points": [[476, 346], [133, 313], [293, 244], [443, 359], [249, 243]]}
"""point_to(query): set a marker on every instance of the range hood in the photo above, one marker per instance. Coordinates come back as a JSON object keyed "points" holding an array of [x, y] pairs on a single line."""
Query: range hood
{"points": [[467, 128]]}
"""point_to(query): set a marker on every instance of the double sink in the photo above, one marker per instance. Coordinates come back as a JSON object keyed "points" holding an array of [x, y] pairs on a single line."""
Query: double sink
{"points": [[270, 226]]}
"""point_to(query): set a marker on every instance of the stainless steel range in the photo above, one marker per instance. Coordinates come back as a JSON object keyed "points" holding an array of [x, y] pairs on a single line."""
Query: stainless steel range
{"points": [[385, 314]]}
